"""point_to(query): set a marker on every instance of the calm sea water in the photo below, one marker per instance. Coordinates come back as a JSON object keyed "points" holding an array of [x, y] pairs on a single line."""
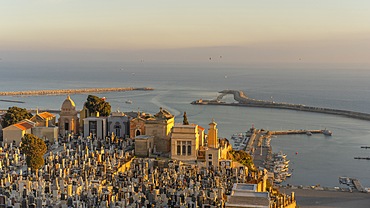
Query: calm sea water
{"points": [[320, 159]]}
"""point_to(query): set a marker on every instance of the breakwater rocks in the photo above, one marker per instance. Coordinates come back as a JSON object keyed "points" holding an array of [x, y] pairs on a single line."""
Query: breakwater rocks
{"points": [[70, 91], [244, 100]]}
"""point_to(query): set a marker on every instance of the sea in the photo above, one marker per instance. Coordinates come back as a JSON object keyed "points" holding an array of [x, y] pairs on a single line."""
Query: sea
{"points": [[316, 159]]}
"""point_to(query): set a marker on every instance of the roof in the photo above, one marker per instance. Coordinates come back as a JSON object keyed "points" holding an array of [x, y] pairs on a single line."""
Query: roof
{"points": [[46, 115], [24, 125], [117, 114], [244, 187], [213, 122], [164, 114], [143, 137], [42, 116], [246, 195], [247, 201], [180, 125], [138, 115], [95, 118], [68, 104], [201, 128]]}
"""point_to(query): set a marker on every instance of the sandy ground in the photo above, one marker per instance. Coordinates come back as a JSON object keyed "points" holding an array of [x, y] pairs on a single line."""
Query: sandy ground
{"points": [[329, 199]]}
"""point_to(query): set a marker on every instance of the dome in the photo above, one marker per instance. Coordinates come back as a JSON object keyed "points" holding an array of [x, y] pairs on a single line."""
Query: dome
{"points": [[68, 104]]}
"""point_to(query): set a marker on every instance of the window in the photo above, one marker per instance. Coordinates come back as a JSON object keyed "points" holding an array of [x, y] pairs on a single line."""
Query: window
{"points": [[178, 148], [137, 133], [189, 148], [209, 159], [183, 148]]}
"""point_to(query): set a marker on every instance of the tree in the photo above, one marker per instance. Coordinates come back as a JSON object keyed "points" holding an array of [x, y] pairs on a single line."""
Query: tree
{"points": [[34, 148], [14, 115], [185, 121], [96, 104]]}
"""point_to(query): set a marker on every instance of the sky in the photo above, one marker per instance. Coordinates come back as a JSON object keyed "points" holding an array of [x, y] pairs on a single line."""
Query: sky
{"points": [[333, 31]]}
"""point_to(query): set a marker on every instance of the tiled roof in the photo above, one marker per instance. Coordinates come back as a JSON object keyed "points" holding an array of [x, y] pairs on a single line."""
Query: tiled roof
{"points": [[23, 125], [46, 115], [201, 128]]}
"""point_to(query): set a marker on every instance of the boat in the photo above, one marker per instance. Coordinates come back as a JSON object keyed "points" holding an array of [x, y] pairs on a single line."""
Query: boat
{"points": [[128, 101], [286, 174], [280, 155], [278, 180], [345, 180], [308, 133], [327, 132]]}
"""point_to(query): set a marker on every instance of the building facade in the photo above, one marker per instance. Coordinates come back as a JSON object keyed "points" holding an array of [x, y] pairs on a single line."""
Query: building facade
{"points": [[15, 132], [160, 127], [44, 119], [95, 127], [68, 120], [118, 124], [144, 145], [185, 141], [137, 127]]}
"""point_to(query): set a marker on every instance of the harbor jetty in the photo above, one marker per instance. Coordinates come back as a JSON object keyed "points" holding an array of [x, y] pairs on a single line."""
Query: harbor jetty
{"points": [[244, 100], [70, 91], [285, 132], [11, 101], [362, 158]]}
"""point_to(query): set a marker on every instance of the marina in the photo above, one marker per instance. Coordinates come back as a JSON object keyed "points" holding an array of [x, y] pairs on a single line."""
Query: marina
{"points": [[279, 166], [257, 143]]}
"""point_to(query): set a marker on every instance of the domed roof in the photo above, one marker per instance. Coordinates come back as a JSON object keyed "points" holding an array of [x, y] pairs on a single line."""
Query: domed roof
{"points": [[68, 104]]}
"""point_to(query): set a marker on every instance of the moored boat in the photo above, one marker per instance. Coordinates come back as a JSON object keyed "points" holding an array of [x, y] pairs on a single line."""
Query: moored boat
{"points": [[327, 132]]}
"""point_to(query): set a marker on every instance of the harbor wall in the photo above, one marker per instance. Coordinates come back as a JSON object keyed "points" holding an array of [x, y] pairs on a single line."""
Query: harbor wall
{"points": [[69, 91], [243, 100]]}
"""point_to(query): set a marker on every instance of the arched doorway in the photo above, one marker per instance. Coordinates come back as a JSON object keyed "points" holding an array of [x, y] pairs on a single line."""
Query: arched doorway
{"points": [[137, 132], [117, 129]]}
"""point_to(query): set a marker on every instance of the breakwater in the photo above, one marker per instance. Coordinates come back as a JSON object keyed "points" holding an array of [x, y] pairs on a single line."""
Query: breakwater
{"points": [[11, 101], [286, 132], [244, 100], [70, 91]]}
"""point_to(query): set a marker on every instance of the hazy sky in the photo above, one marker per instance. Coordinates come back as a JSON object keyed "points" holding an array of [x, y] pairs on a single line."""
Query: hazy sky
{"points": [[314, 30]]}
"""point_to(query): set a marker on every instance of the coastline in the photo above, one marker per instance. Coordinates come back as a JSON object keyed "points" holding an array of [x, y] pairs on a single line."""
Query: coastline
{"points": [[70, 91], [245, 101]]}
